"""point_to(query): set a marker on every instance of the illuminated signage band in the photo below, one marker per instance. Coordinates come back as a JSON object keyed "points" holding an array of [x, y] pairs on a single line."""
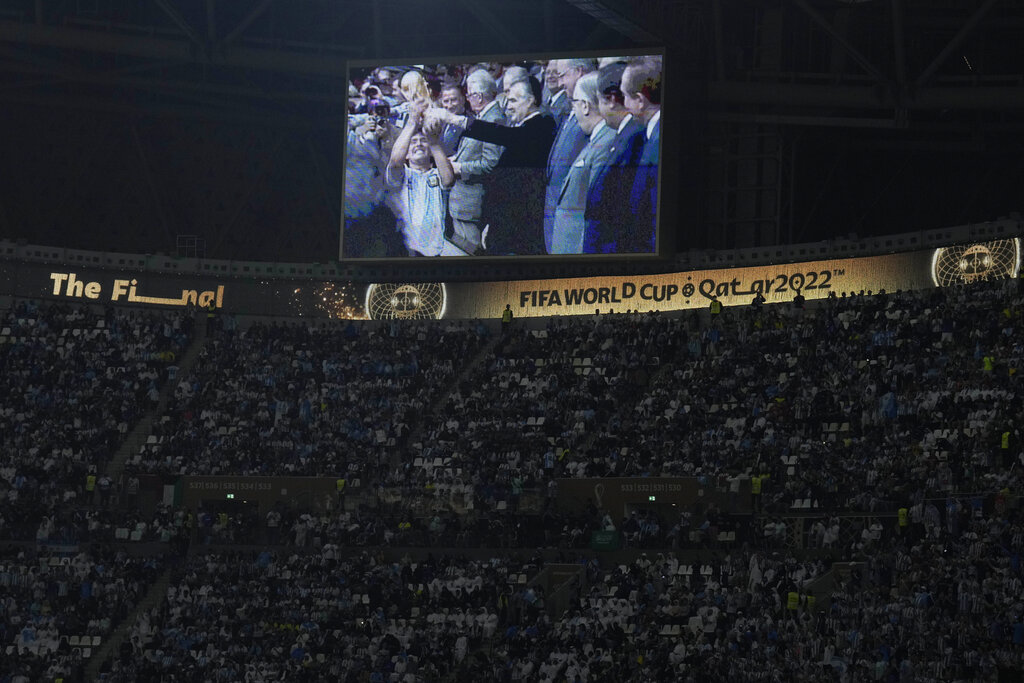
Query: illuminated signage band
{"points": [[947, 266], [126, 291], [737, 286]]}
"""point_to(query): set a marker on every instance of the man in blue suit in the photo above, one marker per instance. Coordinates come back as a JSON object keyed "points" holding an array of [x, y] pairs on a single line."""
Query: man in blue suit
{"points": [[569, 222], [569, 139], [641, 86], [608, 212]]}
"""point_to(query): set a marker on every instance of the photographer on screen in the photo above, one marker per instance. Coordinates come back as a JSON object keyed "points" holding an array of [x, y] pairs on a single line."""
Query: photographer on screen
{"points": [[370, 226]]}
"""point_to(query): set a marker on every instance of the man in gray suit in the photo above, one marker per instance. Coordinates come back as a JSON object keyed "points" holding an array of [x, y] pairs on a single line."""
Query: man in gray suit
{"points": [[569, 220], [473, 161]]}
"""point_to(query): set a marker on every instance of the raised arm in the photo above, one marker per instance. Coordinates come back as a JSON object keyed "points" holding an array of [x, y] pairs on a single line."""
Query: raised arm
{"points": [[506, 136], [432, 127], [396, 164]]}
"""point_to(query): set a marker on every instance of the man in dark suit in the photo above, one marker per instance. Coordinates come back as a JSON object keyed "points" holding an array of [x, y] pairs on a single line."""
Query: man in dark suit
{"points": [[608, 213], [513, 208], [473, 162], [558, 100], [641, 87], [569, 140], [453, 99]]}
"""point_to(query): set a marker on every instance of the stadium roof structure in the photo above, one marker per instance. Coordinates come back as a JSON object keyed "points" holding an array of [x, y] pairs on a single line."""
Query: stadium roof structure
{"points": [[804, 119]]}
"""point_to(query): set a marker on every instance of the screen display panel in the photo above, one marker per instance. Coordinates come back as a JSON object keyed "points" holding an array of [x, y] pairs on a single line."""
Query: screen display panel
{"points": [[522, 157]]}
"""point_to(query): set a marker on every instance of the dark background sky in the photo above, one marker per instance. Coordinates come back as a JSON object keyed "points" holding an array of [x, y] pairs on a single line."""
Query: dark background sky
{"points": [[127, 125]]}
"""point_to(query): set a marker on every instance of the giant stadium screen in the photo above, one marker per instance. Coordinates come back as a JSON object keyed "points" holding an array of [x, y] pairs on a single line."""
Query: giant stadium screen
{"points": [[507, 158]]}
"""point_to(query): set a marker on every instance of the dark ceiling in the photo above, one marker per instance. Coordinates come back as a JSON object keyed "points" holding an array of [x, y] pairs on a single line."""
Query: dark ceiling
{"points": [[132, 123]]}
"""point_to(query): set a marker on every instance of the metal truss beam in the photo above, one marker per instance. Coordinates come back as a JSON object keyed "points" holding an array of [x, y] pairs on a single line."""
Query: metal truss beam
{"points": [[170, 49], [236, 115], [615, 15], [252, 16], [954, 42], [493, 24], [840, 39], [211, 20], [175, 16], [899, 43], [62, 74], [865, 97]]}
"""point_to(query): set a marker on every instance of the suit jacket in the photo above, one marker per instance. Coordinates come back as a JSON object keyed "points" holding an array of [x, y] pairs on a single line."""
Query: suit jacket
{"points": [[451, 135], [569, 221], [608, 210], [561, 107], [643, 198], [478, 159], [569, 142], [514, 194]]}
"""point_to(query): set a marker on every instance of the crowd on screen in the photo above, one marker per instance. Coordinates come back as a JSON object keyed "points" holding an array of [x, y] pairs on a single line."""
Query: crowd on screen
{"points": [[881, 431], [550, 157]]}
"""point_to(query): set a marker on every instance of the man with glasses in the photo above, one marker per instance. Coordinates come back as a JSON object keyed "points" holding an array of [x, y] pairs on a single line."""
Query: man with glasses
{"points": [[473, 161], [557, 97], [568, 223], [569, 139]]}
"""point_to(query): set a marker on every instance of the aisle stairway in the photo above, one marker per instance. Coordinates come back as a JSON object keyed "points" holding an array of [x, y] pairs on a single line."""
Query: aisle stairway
{"points": [[137, 437], [432, 416], [112, 643]]}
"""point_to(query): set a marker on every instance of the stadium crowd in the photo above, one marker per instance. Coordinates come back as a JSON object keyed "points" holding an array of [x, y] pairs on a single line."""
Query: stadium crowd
{"points": [[297, 400], [57, 609], [76, 381], [871, 443]]}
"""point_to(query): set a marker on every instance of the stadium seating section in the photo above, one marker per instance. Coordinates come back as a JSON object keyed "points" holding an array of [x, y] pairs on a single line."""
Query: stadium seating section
{"points": [[871, 445]]}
